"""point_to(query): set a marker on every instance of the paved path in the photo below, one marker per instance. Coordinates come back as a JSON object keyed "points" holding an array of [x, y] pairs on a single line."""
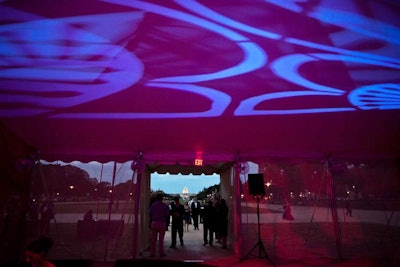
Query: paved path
{"points": [[319, 214], [193, 249], [270, 213]]}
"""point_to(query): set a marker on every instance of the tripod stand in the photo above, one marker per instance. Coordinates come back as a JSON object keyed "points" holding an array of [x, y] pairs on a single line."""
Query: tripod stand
{"points": [[261, 249]]}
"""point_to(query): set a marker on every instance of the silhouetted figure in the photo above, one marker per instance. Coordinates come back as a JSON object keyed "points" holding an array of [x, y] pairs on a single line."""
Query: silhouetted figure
{"points": [[177, 211], [46, 214], [287, 212], [186, 216], [209, 218], [88, 216], [348, 208], [222, 222], [158, 211], [195, 208], [33, 213]]}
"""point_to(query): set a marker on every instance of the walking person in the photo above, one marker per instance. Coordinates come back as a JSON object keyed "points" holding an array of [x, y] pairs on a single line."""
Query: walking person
{"points": [[287, 212], [46, 215], [209, 216], [195, 207], [348, 208], [222, 222], [186, 216], [159, 211], [177, 211]]}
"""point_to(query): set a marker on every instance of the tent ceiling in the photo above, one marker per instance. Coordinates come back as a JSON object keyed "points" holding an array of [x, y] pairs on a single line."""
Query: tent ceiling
{"points": [[175, 80]]}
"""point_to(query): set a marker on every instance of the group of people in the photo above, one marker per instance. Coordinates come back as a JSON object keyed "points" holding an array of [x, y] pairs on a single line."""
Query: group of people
{"points": [[214, 218], [215, 221], [192, 211]]}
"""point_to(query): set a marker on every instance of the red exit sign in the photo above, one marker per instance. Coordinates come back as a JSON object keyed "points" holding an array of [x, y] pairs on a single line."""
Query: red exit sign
{"points": [[198, 162]]}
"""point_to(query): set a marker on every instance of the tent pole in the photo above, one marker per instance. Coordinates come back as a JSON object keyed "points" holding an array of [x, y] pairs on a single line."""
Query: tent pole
{"points": [[110, 210], [136, 215], [335, 215], [98, 202], [238, 209], [316, 201], [331, 190], [138, 169]]}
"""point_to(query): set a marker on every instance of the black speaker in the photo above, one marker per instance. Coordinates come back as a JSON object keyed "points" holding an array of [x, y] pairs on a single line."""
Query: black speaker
{"points": [[256, 184]]}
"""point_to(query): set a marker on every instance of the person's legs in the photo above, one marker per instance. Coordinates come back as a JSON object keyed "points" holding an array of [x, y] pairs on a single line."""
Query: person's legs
{"points": [[180, 233], [153, 239], [173, 234], [161, 235], [223, 241], [196, 222], [211, 238], [205, 234]]}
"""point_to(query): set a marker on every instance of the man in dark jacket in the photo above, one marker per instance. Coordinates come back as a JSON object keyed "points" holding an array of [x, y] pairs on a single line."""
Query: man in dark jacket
{"points": [[195, 207], [177, 211], [209, 217]]}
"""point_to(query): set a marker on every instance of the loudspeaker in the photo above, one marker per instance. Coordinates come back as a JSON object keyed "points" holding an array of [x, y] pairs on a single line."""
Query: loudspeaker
{"points": [[256, 184]]}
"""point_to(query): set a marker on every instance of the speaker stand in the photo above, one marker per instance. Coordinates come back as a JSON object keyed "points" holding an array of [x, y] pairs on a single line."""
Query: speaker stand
{"points": [[261, 249]]}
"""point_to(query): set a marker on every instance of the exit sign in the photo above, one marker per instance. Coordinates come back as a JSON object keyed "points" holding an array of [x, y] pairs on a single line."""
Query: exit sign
{"points": [[198, 162]]}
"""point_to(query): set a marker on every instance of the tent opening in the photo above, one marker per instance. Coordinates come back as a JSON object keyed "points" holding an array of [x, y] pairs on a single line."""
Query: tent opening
{"points": [[200, 186]]}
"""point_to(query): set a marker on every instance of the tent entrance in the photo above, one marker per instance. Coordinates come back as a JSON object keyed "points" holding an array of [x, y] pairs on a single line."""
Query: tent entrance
{"points": [[193, 248]]}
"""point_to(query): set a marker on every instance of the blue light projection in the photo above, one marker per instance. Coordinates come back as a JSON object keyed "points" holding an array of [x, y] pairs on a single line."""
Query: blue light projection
{"points": [[377, 96], [42, 56], [66, 61]]}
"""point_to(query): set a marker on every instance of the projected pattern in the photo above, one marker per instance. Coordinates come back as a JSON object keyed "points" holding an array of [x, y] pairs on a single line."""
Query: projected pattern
{"points": [[261, 57]]}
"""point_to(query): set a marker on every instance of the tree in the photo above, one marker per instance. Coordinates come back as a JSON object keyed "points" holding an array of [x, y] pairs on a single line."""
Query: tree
{"points": [[59, 181], [102, 190], [207, 192]]}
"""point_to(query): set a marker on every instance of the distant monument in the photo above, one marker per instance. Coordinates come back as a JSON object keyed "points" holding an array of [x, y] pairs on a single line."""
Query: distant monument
{"points": [[185, 191], [185, 194]]}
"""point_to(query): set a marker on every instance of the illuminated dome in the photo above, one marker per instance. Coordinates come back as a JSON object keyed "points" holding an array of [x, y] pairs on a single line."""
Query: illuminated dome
{"points": [[185, 190]]}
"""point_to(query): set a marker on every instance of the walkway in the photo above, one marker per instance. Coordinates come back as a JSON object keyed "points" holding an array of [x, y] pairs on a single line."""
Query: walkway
{"points": [[301, 214], [194, 251]]}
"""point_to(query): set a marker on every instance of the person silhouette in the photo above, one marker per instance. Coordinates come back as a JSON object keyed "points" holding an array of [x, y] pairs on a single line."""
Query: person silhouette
{"points": [[287, 212], [209, 217], [177, 211], [348, 208], [186, 217], [46, 214], [195, 208], [158, 211], [222, 222]]}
